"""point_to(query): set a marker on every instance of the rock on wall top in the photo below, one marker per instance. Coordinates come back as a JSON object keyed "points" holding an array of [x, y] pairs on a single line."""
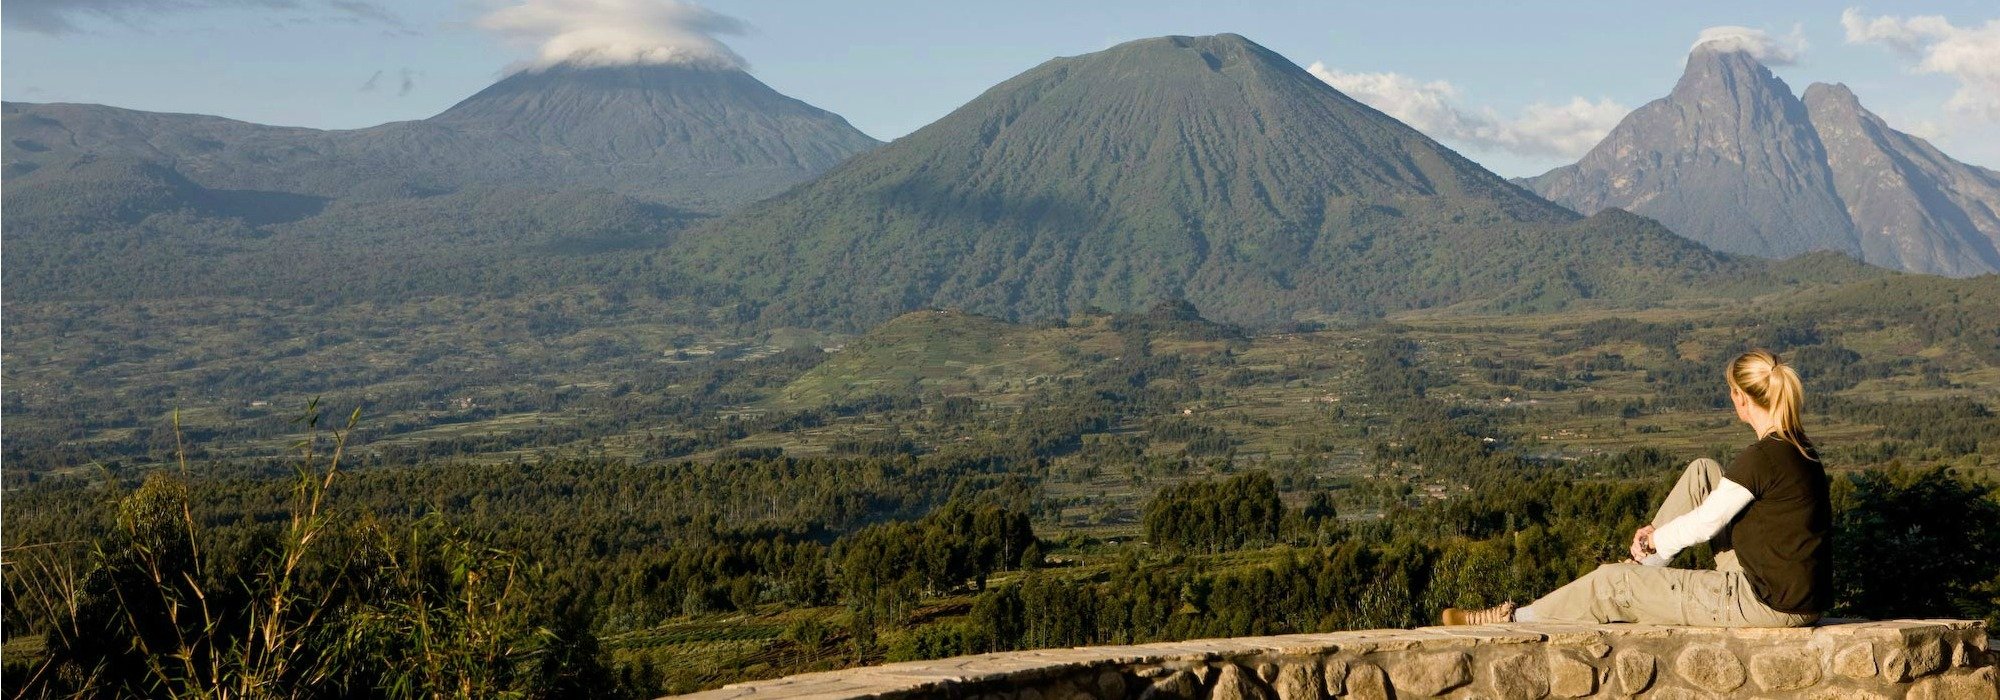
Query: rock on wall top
{"points": [[1927, 659]]}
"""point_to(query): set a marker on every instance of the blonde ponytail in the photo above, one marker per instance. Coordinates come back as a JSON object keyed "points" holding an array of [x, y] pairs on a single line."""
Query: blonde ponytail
{"points": [[1774, 386]]}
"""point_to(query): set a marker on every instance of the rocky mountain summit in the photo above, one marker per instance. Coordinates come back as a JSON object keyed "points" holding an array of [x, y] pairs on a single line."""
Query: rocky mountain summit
{"points": [[1913, 207], [1732, 159], [1729, 158]]}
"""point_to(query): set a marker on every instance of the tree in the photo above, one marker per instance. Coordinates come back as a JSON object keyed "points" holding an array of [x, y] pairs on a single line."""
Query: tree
{"points": [[1916, 543]]}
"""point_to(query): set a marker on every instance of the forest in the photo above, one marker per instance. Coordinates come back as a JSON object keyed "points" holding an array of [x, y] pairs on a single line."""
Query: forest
{"points": [[948, 484]]}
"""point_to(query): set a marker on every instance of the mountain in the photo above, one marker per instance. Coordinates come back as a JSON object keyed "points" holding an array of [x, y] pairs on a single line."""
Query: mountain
{"points": [[699, 139], [1203, 168], [508, 190], [715, 138], [1732, 159], [1915, 208], [1729, 158]]}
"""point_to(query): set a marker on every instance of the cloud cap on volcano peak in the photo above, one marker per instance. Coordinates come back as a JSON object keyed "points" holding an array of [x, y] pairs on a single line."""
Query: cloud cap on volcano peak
{"points": [[618, 32], [1761, 45]]}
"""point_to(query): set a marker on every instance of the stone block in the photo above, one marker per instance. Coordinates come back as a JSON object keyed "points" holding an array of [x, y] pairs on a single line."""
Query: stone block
{"points": [[1430, 675], [1365, 681], [1597, 650], [1963, 655], [1519, 676], [1896, 666], [1110, 684], [1075, 691], [1710, 667], [1855, 661], [1204, 673], [1570, 676], [1979, 685], [1784, 668], [1182, 685], [1300, 681], [1928, 655], [1923, 656], [1335, 673], [1234, 683], [1635, 670]]}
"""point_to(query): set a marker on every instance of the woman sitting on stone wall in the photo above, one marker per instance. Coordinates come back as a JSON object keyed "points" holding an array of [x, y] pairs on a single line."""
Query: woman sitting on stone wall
{"points": [[1767, 514]]}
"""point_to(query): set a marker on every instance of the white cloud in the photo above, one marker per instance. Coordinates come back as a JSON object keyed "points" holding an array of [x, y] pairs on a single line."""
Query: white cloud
{"points": [[1430, 107], [1969, 54], [618, 32], [1760, 44], [1907, 36], [1564, 130]]}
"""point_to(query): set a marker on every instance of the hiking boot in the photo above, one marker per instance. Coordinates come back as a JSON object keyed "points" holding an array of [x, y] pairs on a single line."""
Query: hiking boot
{"points": [[1495, 615]]}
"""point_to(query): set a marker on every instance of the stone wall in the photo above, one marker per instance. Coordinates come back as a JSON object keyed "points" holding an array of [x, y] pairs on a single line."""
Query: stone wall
{"points": [[1927, 659]]}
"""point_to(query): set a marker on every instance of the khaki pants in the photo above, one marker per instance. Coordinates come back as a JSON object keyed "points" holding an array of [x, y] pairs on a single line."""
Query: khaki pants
{"points": [[1659, 595]]}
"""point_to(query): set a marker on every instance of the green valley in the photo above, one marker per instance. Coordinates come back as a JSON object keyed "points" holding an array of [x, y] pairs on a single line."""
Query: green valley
{"points": [[804, 442]]}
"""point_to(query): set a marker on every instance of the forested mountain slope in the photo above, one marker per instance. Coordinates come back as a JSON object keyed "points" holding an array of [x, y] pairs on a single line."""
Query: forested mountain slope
{"points": [[694, 138], [1205, 168]]}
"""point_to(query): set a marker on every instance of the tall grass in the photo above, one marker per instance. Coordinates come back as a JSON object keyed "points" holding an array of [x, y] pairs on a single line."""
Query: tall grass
{"points": [[320, 604]]}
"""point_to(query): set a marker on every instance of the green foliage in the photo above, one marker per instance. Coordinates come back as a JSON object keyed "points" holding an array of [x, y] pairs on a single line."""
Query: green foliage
{"points": [[1174, 317], [1215, 516], [888, 566], [940, 640], [1917, 543], [1938, 309], [1934, 429], [313, 604]]}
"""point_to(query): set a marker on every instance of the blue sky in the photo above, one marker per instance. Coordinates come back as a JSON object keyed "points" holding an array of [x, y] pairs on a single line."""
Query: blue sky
{"points": [[1518, 88]]}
